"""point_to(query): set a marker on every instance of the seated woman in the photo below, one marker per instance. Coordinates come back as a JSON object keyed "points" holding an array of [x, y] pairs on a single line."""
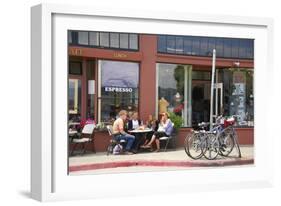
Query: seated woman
{"points": [[135, 123], [151, 123], [165, 129]]}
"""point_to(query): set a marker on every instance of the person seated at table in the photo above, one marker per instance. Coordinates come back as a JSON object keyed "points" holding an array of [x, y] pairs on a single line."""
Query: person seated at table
{"points": [[119, 132], [133, 124], [151, 123], [165, 128]]}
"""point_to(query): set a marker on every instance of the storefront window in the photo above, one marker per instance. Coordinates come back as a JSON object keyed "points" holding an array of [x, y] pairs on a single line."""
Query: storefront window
{"points": [[119, 88], [104, 39], [75, 68], [238, 94], [91, 90], [94, 38], [74, 99], [124, 41], [114, 40], [171, 44], [203, 46], [179, 45], [174, 90], [133, 41], [162, 46], [83, 38]]}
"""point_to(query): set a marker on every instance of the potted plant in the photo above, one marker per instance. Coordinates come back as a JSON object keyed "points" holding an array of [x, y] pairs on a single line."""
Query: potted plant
{"points": [[177, 120]]}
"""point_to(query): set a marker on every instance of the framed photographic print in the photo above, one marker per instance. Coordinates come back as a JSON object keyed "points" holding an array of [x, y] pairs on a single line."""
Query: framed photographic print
{"points": [[126, 98]]}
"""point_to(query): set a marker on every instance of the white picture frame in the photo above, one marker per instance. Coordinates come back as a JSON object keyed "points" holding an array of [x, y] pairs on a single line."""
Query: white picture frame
{"points": [[49, 179]]}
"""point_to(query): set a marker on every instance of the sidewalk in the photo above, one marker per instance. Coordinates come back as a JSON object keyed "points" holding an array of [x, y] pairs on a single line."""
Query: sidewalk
{"points": [[148, 161]]}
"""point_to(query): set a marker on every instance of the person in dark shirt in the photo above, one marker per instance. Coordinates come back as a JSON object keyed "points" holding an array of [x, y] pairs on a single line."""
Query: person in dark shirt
{"points": [[135, 123]]}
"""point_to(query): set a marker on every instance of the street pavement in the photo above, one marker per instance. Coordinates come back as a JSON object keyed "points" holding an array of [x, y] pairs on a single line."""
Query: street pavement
{"points": [[100, 163]]}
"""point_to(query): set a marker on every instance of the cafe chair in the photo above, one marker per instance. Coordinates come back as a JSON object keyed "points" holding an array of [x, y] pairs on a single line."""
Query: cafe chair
{"points": [[113, 140], [168, 139], [86, 136]]}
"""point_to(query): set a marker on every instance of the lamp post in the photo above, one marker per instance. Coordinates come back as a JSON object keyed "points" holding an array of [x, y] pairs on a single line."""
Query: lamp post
{"points": [[212, 88]]}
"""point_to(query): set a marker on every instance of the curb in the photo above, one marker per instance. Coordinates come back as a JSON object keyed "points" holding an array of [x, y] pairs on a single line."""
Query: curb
{"points": [[143, 163]]}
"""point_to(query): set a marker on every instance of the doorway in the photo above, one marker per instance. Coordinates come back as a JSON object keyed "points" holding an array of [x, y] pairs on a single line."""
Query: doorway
{"points": [[200, 101]]}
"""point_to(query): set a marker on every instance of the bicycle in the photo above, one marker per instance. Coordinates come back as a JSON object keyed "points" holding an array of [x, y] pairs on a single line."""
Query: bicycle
{"points": [[220, 140]]}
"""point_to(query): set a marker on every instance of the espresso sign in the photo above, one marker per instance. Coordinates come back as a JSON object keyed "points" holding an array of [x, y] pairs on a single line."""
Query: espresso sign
{"points": [[118, 89]]}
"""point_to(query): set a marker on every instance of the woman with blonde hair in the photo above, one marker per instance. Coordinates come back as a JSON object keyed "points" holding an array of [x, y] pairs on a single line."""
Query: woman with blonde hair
{"points": [[165, 129]]}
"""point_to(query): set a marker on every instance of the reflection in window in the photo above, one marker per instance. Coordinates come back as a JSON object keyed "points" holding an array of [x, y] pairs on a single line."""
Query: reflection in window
{"points": [[104, 39], [74, 96], [83, 38], [242, 48], [195, 45], [91, 91], [249, 49], [114, 40], [172, 90], [179, 45], [133, 41], [219, 47], [69, 36], [124, 41], [119, 88], [235, 48], [171, 44], [187, 45], [162, 43], [211, 45], [227, 48], [238, 94], [75, 68], [204, 47], [94, 38]]}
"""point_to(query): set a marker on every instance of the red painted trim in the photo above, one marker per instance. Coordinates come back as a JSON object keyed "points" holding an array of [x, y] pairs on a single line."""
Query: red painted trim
{"points": [[143, 163], [119, 55]]}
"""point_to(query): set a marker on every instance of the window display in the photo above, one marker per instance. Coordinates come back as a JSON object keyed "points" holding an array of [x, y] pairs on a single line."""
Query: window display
{"points": [[238, 94], [174, 91]]}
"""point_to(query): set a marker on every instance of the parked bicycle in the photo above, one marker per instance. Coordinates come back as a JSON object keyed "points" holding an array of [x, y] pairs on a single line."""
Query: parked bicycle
{"points": [[219, 141]]}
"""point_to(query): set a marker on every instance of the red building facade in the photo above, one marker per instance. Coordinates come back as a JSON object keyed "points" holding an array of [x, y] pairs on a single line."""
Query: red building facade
{"points": [[86, 89]]}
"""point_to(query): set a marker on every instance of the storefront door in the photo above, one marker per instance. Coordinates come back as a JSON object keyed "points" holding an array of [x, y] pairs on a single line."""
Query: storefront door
{"points": [[200, 101]]}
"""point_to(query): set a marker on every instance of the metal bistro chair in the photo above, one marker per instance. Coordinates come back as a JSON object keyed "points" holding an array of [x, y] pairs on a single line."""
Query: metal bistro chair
{"points": [[113, 140], [86, 136], [168, 139]]}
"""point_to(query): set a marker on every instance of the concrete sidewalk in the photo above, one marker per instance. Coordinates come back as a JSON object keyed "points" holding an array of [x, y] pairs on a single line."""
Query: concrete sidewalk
{"points": [[147, 161]]}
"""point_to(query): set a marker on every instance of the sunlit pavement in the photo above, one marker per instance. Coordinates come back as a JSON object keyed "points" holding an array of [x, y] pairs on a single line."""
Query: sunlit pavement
{"points": [[100, 163]]}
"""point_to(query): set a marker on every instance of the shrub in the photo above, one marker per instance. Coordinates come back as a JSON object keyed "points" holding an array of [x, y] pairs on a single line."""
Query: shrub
{"points": [[177, 120]]}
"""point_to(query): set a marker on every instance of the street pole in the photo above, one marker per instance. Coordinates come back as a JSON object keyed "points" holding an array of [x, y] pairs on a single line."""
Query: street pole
{"points": [[212, 88]]}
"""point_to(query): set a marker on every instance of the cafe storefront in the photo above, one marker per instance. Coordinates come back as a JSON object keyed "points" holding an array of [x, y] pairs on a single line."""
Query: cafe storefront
{"points": [[148, 73]]}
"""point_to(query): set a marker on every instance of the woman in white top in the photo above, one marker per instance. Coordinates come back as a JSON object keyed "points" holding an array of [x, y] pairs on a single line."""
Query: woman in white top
{"points": [[165, 129]]}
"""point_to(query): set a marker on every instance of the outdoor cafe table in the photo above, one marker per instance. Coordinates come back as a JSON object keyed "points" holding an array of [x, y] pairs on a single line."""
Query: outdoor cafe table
{"points": [[135, 131], [142, 133]]}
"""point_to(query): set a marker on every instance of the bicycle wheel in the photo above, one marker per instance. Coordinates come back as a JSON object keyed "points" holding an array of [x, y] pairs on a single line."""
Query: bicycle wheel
{"points": [[226, 144], [212, 147], [192, 146]]}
